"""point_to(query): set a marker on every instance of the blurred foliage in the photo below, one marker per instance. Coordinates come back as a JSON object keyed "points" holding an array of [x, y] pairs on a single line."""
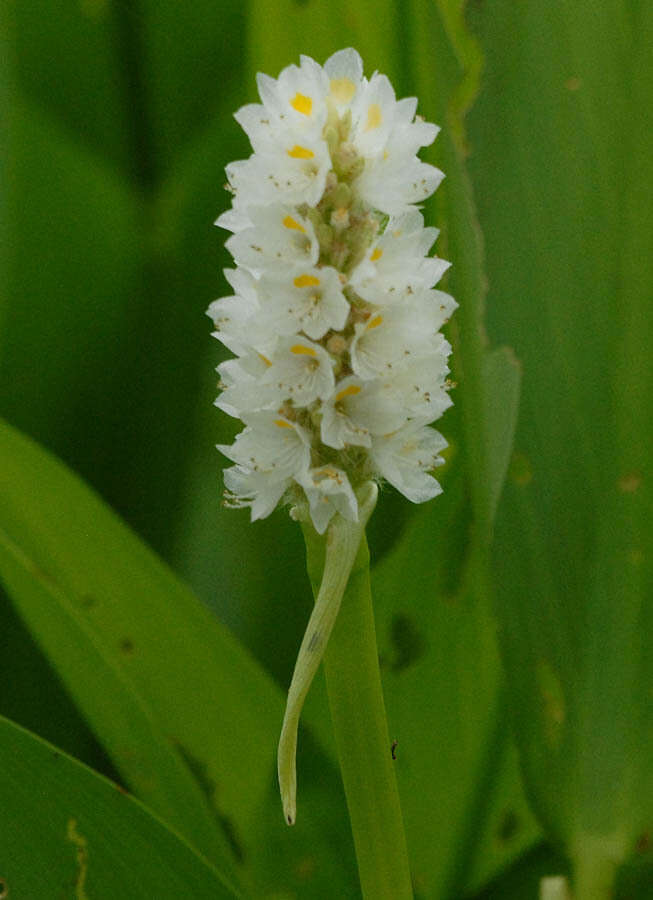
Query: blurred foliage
{"points": [[117, 127], [570, 156], [90, 835]]}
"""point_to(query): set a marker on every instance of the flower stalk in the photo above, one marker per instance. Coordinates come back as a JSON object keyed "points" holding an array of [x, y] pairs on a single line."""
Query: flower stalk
{"points": [[359, 721], [341, 543]]}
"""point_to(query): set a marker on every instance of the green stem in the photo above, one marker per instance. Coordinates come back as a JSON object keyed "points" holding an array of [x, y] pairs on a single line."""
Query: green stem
{"points": [[336, 551], [361, 732]]}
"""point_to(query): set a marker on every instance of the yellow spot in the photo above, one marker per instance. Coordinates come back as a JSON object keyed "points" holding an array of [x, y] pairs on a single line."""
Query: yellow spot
{"points": [[302, 104], [289, 222], [374, 117], [265, 359], [305, 281], [282, 423], [553, 708], [375, 322], [342, 89], [378, 253], [301, 350], [326, 472], [298, 152], [80, 843], [350, 391]]}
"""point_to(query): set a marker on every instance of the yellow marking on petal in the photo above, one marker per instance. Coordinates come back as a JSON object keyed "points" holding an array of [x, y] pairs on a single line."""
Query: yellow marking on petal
{"points": [[350, 391], [302, 104], [289, 222], [298, 152], [342, 89], [305, 281], [326, 472], [374, 117], [282, 423], [265, 359], [378, 253], [375, 322], [302, 350]]}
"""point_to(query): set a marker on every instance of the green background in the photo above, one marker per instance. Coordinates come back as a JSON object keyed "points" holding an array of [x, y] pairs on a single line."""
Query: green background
{"points": [[514, 612]]}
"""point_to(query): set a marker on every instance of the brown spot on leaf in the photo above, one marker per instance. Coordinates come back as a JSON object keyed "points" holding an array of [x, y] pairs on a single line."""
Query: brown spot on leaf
{"points": [[521, 472], [305, 868], [629, 482]]}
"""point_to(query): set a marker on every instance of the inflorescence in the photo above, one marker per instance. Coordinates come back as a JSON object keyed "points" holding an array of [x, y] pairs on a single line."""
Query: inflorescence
{"points": [[340, 364]]}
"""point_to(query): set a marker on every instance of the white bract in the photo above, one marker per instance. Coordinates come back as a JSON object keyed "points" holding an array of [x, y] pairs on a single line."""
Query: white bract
{"points": [[335, 321]]}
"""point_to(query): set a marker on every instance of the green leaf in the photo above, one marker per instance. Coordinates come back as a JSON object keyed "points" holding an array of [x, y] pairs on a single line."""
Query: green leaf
{"points": [[562, 159], [446, 65], [64, 63], [279, 32], [72, 833], [500, 379], [168, 691], [446, 706]]}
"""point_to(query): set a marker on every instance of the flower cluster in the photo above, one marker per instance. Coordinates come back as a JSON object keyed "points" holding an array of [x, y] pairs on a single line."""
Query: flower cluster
{"points": [[340, 365]]}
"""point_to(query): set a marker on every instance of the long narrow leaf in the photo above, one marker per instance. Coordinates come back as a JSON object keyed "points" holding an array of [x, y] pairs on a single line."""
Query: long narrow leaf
{"points": [[131, 643], [70, 833]]}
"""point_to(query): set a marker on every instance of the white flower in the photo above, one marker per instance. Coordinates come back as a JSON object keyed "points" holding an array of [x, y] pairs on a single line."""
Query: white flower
{"points": [[328, 491], [241, 380], [270, 237], [253, 489], [292, 171], [358, 409], [396, 266], [270, 444], [406, 456], [307, 299], [301, 371], [237, 318], [268, 454], [296, 99], [392, 337], [334, 320]]}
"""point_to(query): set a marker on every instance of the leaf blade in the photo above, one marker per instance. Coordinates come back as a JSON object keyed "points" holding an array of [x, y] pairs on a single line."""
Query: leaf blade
{"points": [[153, 636], [91, 836]]}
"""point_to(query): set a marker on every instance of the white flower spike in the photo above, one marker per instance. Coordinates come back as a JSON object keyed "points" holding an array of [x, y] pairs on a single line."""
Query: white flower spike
{"points": [[334, 318], [335, 321]]}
